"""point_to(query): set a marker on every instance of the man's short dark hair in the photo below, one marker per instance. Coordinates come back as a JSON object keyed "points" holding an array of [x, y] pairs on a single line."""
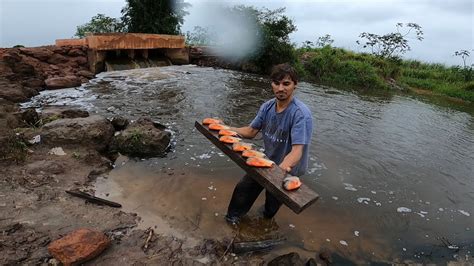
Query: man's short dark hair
{"points": [[281, 71]]}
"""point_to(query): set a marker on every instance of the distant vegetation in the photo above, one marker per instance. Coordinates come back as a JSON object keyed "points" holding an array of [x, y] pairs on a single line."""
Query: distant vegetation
{"points": [[143, 16], [100, 23], [381, 67]]}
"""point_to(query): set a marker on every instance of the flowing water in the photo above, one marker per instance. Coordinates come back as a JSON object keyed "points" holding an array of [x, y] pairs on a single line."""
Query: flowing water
{"points": [[395, 173]]}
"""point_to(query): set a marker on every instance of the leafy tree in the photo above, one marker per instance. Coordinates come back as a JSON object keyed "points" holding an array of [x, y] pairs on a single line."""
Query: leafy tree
{"points": [[466, 70], [307, 45], [154, 16], [275, 48], [324, 41], [392, 45], [100, 23]]}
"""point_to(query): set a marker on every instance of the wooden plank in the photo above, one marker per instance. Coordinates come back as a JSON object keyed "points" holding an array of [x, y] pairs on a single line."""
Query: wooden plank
{"points": [[270, 178]]}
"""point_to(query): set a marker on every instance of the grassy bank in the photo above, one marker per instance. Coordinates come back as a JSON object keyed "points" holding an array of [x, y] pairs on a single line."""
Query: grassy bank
{"points": [[341, 68]]}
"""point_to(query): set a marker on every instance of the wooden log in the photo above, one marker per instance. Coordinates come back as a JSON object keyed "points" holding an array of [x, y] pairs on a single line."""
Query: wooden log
{"points": [[93, 199], [270, 178], [243, 247]]}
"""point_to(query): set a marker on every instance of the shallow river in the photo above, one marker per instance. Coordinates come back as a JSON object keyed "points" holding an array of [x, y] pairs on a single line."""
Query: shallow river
{"points": [[395, 174]]}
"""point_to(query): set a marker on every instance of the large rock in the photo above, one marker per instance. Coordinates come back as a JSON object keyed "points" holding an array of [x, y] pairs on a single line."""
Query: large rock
{"points": [[95, 131], [15, 92], [78, 246], [85, 73], [76, 52], [39, 53], [63, 82], [142, 139], [33, 82], [57, 59]]}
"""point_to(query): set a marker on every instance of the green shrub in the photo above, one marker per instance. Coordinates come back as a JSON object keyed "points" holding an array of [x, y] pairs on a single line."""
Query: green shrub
{"points": [[358, 74], [12, 148], [468, 86]]}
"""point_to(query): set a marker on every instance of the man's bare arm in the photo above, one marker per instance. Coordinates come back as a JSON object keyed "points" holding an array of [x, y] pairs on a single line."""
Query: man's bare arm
{"points": [[246, 132], [292, 158]]}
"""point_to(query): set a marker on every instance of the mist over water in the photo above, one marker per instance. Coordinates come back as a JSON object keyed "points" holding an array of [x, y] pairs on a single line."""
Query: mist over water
{"points": [[233, 36]]}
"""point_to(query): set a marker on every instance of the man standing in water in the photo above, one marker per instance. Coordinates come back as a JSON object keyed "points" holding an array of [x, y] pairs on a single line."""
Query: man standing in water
{"points": [[286, 125]]}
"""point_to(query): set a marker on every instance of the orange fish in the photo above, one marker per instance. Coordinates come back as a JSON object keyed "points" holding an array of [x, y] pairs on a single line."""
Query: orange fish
{"points": [[217, 126], [253, 153], [207, 121], [229, 139], [241, 146], [291, 183], [226, 132], [259, 162]]}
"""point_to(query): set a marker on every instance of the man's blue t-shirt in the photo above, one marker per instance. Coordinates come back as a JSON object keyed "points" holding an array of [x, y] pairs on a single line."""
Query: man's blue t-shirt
{"points": [[280, 131]]}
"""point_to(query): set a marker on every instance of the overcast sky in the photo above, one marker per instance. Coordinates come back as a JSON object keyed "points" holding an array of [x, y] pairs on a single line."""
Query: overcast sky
{"points": [[447, 24]]}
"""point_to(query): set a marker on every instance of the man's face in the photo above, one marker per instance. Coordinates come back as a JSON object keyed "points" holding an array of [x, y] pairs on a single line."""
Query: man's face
{"points": [[284, 88]]}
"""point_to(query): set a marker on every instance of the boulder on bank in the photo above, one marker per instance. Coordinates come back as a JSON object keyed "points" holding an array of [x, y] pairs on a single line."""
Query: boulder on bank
{"points": [[119, 122], [141, 139], [79, 246], [39, 53], [51, 113], [95, 131], [12, 92], [63, 82]]}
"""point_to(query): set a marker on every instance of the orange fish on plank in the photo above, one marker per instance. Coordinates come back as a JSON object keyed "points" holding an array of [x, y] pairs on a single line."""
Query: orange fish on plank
{"points": [[253, 153], [241, 146], [259, 162], [291, 183], [229, 139], [226, 132], [218, 126], [207, 121]]}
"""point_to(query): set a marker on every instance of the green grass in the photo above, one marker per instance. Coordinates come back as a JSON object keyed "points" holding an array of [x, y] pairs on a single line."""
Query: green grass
{"points": [[341, 68]]}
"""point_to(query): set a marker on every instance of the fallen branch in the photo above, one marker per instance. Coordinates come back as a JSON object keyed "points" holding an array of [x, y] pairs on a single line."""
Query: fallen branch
{"points": [[93, 199], [230, 244], [243, 247], [150, 235]]}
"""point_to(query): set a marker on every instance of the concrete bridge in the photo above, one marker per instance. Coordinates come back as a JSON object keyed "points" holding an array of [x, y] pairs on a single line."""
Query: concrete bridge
{"points": [[104, 46]]}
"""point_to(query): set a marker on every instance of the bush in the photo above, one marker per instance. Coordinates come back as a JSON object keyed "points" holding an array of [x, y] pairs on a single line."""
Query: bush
{"points": [[358, 74], [468, 86], [12, 148]]}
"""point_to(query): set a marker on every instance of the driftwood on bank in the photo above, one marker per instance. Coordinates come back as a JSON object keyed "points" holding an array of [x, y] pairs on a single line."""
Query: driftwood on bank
{"points": [[270, 178], [243, 247], [93, 199]]}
